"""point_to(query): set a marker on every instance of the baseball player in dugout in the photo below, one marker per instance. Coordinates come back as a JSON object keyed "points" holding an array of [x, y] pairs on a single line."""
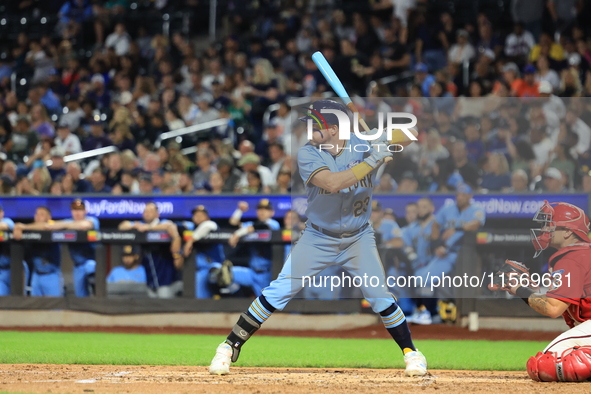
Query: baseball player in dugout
{"points": [[339, 186], [162, 261], [6, 224], [565, 228], [82, 254], [258, 273], [45, 257], [213, 270]]}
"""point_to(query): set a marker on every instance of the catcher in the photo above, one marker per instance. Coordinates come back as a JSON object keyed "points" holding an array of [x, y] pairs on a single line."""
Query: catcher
{"points": [[565, 227]]}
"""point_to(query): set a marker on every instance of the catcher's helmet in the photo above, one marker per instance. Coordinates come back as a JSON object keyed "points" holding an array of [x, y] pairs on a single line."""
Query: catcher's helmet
{"points": [[558, 215]]}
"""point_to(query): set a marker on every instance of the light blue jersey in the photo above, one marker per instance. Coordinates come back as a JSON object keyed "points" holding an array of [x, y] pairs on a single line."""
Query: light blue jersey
{"points": [[121, 274], [389, 230], [449, 216], [350, 208], [418, 236], [5, 247]]}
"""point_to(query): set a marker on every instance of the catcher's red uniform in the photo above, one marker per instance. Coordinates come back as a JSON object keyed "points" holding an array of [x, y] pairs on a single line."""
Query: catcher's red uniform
{"points": [[571, 273], [568, 357]]}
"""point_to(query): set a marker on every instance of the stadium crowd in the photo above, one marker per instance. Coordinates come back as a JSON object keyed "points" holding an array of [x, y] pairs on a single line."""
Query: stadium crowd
{"points": [[94, 79]]}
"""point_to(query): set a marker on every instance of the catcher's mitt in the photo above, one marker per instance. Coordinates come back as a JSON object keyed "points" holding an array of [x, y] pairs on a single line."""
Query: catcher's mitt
{"points": [[511, 274]]}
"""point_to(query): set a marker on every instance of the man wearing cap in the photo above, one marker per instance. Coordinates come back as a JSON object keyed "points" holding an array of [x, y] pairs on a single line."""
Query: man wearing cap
{"points": [[161, 261], [6, 224], [210, 271], [339, 184], [82, 254], [46, 280], [132, 270], [258, 274], [97, 138], [554, 181], [252, 162], [69, 142], [528, 86], [452, 221], [462, 50], [423, 78], [57, 169]]}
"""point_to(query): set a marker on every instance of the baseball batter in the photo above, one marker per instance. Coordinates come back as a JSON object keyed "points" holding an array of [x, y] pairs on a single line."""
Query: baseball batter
{"points": [[339, 185], [565, 227]]}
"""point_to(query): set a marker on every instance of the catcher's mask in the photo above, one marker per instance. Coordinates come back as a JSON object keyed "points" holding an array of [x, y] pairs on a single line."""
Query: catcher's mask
{"points": [[558, 215]]}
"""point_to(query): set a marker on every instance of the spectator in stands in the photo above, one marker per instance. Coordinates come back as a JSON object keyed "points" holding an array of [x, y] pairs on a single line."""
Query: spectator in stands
{"points": [[581, 129], [553, 181], [423, 78], [119, 40], [98, 182], [408, 183], [564, 161], [40, 121], [519, 182], [467, 169], [519, 43], [462, 51], [546, 76], [527, 87], [122, 138], [79, 185], [66, 140], [97, 138], [161, 260], [23, 139], [132, 271], [114, 170], [204, 169], [73, 14], [432, 151], [497, 176], [251, 162], [474, 143], [57, 169], [98, 92]]}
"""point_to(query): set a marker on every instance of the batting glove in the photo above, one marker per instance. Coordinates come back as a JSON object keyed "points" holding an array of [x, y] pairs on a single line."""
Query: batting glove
{"points": [[379, 152]]}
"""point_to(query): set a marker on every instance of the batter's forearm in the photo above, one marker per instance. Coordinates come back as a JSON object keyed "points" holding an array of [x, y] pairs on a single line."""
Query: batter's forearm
{"points": [[334, 181]]}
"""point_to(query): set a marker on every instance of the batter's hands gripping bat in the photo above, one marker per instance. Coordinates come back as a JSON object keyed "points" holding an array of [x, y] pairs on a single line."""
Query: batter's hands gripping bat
{"points": [[336, 84]]}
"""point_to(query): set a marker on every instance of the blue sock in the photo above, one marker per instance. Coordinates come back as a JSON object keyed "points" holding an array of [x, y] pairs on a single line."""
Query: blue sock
{"points": [[395, 323]]}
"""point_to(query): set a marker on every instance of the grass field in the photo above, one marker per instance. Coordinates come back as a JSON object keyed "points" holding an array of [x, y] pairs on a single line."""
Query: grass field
{"points": [[262, 351]]}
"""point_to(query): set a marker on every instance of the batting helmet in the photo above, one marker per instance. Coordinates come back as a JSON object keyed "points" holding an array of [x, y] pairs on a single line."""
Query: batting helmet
{"points": [[558, 215]]}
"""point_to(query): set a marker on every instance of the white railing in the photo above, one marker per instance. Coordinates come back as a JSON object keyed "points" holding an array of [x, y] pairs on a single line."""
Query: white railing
{"points": [[189, 130]]}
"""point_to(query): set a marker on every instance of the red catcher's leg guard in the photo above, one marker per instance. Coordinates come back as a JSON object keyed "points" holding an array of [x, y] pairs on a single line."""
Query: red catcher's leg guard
{"points": [[574, 365], [542, 367]]}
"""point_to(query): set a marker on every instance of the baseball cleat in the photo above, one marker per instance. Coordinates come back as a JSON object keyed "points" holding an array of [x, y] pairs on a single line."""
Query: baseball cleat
{"points": [[225, 276], [220, 365], [423, 318], [416, 364]]}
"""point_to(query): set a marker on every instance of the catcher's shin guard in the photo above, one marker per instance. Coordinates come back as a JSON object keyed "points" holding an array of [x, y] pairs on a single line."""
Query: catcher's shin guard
{"points": [[574, 365], [242, 330]]}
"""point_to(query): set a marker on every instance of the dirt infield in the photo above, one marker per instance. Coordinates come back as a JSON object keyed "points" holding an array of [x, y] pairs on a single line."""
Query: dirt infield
{"points": [[439, 331], [40, 378]]}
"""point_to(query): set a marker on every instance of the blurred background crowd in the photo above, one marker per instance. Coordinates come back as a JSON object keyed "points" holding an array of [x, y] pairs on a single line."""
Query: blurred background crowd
{"points": [[499, 87]]}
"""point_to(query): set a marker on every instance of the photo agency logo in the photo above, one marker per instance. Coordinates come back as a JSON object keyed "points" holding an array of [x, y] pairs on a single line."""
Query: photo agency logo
{"points": [[324, 114]]}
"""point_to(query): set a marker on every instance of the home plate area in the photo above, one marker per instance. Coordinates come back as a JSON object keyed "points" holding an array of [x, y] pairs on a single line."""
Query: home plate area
{"points": [[147, 379]]}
